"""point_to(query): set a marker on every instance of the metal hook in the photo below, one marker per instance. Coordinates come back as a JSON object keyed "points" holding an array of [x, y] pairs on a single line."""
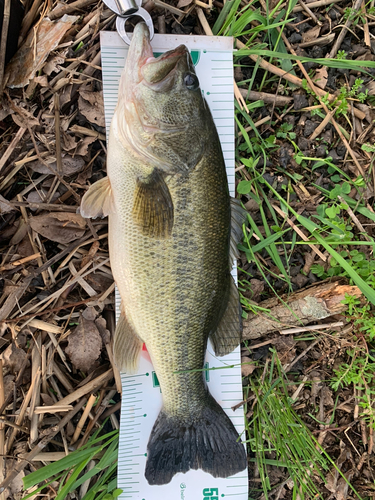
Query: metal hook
{"points": [[126, 9], [121, 21]]}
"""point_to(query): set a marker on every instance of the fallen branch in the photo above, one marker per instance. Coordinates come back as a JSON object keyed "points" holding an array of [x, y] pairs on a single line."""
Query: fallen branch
{"points": [[277, 100], [312, 304]]}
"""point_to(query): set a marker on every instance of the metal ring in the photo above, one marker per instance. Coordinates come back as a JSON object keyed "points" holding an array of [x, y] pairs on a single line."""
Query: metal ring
{"points": [[141, 12]]}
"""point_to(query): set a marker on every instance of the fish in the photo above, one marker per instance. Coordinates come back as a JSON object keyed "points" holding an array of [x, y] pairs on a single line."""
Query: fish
{"points": [[173, 233]]}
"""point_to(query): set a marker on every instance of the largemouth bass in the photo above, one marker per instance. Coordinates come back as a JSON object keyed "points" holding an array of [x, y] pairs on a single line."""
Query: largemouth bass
{"points": [[170, 215]]}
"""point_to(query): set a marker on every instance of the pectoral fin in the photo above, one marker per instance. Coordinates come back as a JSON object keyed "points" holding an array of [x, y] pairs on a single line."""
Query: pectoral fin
{"points": [[153, 206], [98, 200], [126, 346], [238, 218], [227, 335]]}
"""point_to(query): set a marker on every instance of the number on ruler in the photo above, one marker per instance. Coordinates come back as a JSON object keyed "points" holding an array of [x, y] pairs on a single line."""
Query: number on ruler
{"points": [[211, 494]]}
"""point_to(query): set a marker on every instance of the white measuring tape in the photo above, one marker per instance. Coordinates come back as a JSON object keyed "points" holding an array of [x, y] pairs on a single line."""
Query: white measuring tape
{"points": [[141, 395]]}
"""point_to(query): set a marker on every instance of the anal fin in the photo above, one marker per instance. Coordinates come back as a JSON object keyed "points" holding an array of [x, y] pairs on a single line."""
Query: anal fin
{"points": [[153, 206], [227, 335], [98, 200], [126, 346]]}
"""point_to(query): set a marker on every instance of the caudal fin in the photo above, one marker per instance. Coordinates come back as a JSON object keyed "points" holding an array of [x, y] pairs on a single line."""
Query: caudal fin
{"points": [[209, 442]]}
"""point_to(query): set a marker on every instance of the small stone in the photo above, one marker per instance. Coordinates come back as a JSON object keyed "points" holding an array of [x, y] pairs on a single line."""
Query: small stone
{"points": [[327, 136], [284, 157], [310, 126], [290, 119], [300, 101], [316, 52], [335, 157], [321, 151], [295, 38], [334, 14], [303, 143], [300, 280], [341, 150]]}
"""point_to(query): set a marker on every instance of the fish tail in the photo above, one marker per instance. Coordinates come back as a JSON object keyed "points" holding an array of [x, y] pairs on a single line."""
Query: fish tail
{"points": [[208, 442]]}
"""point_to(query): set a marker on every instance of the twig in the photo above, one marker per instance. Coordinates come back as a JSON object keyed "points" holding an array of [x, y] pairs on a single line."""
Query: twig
{"points": [[204, 22], [166, 6], [56, 101], [240, 99], [309, 12], [330, 326], [89, 387], [347, 25], [161, 25], [102, 406], [319, 129], [322, 40], [365, 26], [277, 100], [29, 19], [3, 40], [11, 147], [356, 221], [83, 419], [68, 9], [36, 367], [313, 5], [313, 247]]}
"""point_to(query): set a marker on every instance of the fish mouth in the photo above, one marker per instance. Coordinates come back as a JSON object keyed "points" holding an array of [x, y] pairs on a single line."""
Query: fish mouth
{"points": [[151, 70]]}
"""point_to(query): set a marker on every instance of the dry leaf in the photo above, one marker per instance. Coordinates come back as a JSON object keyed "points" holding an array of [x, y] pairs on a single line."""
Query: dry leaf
{"points": [[91, 105], [42, 80], [5, 207], [16, 485], [370, 86], [23, 118], [310, 35], [62, 227], [31, 55], [85, 343], [69, 142], [70, 165], [321, 77], [83, 145], [52, 65], [101, 325], [20, 232], [8, 385], [13, 358], [39, 196], [183, 3], [247, 366], [99, 282]]}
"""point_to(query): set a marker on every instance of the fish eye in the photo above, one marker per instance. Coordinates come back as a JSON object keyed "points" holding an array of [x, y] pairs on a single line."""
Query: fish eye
{"points": [[191, 81]]}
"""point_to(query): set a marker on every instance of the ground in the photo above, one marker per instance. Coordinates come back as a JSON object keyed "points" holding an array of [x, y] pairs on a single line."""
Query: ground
{"points": [[304, 162]]}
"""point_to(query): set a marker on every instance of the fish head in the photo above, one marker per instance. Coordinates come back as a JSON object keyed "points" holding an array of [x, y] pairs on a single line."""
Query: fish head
{"points": [[165, 113]]}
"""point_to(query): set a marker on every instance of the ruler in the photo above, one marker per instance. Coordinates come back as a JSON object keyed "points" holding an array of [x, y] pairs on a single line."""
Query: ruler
{"points": [[141, 395]]}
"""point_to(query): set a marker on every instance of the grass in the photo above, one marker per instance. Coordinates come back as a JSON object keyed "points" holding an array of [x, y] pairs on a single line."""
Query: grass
{"points": [[276, 431], [73, 471]]}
